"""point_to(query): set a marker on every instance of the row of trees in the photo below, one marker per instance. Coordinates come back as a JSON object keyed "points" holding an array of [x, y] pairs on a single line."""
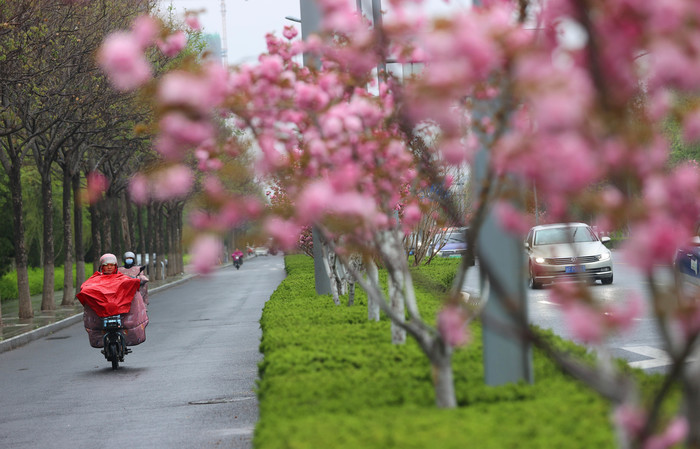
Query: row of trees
{"points": [[60, 119], [561, 95]]}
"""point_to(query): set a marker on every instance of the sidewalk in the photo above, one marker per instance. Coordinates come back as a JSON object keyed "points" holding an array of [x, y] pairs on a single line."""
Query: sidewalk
{"points": [[15, 332]]}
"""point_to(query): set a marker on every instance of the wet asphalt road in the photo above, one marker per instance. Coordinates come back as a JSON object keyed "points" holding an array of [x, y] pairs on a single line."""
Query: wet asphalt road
{"points": [[190, 385], [642, 346]]}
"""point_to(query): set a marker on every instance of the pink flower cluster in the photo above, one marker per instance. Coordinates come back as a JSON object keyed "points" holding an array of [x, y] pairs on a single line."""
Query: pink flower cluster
{"points": [[172, 182], [97, 184], [452, 324], [632, 419], [122, 58], [591, 322]]}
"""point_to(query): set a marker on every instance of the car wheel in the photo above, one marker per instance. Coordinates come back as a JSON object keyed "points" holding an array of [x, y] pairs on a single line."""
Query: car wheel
{"points": [[607, 281], [531, 279]]}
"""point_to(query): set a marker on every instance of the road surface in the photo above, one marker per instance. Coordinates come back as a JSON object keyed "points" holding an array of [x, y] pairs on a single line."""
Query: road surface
{"points": [[190, 385]]}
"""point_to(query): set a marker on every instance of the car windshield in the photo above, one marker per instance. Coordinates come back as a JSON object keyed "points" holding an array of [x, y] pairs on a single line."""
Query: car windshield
{"points": [[456, 237], [571, 234]]}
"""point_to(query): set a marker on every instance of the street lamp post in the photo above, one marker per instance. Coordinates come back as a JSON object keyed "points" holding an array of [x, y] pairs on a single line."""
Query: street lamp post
{"points": [[310, 24]]}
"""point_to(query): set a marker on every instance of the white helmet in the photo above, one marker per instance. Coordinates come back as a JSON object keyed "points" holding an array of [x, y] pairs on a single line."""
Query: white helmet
{"points": [[108, 258], [129, 255]]}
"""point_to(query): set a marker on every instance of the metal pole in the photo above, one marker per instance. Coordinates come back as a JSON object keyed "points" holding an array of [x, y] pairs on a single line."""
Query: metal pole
{"points": [[310, 24], [224, 49], [507, 359]]}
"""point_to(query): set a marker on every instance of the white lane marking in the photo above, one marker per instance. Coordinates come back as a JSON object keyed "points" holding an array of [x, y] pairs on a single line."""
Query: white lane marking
{"points": [[657, 357]]}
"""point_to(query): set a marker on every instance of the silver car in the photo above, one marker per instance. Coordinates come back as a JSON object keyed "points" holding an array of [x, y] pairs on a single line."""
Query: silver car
{"points": [[567, 251]]}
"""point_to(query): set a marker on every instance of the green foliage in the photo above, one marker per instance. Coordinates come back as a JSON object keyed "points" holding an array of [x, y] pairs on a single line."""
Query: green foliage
{"points": [[330, 378], [8, 282], [7, 250]]}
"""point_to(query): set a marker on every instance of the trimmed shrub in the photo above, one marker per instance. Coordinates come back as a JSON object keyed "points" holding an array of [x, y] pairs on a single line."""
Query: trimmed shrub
{"points": [[330, 378]]}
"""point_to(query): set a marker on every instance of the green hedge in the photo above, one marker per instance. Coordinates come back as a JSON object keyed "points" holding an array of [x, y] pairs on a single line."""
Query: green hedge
{"points": [[331, 379], [8, 282]]}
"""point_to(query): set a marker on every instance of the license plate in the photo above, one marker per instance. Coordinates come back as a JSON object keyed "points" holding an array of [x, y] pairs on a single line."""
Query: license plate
{"points": [[575, 269]]}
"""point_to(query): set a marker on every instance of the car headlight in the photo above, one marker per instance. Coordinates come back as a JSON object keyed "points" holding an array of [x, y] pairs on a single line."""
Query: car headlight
{"points": [[604, 256], [539, 259]]}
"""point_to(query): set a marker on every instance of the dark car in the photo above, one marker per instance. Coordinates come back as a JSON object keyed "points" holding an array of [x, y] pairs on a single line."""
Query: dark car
{"points": [[454, 243], [567, 251], [687, 262]]}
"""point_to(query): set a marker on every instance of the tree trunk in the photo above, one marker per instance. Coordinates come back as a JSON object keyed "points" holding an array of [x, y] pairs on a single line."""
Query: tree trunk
{"points": [[691, 405], [78, 225], [126, 218], [396, 299], [96, 226], [160, 243], [105, 224], [67, 241], [25, 299], [172, 235], [47, 296], [443, 382], [142, 241], [150, 233], [327, 254], [178, 241], [372, 305]]}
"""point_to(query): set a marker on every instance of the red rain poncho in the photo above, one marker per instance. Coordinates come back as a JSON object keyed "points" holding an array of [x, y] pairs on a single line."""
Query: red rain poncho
{"points": [[108, 294]]}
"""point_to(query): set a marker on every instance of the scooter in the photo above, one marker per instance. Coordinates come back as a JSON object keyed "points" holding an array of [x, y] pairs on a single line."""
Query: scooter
{"points": [[114, 342], [237, 262]]}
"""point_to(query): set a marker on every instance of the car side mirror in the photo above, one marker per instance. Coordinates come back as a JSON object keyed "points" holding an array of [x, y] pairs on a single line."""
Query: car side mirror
{"points": [[605, 239], [526, 245]]}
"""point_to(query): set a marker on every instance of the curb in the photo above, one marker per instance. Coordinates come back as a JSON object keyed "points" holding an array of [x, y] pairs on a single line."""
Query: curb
{"points": [[27, 337]]}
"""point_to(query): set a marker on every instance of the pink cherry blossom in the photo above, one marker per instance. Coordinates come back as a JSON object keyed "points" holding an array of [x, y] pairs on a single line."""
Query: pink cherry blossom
{"points": [[622, 316], [122, 59], [452, 324], [512, 219], [184, 130], [630, 418], [184, 89], [675, 433], [314, 200], [285, 232], [206, 253], [97, 184], [654, 241], [138, 189], [411, 215], [172, 182], [584, 323], [290, 32], [192, 21], [173, 44], [144, 30], [691, 127]]}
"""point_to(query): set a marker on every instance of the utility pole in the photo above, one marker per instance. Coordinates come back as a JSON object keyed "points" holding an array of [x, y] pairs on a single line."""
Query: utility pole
{"points": [[310, 24], [224, 39], [507, 358]]}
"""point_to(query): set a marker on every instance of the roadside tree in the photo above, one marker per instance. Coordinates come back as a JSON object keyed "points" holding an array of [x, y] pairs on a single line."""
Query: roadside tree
{"points": [[563, 114]]}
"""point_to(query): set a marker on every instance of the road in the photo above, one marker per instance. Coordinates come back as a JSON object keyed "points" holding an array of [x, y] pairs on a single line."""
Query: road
{"points": [[190, 385], [642, 346]]}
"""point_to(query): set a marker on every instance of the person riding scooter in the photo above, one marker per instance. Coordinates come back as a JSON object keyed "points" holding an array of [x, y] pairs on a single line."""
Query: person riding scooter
{"points": [[237, 257], [135, 271], [108, 292]]}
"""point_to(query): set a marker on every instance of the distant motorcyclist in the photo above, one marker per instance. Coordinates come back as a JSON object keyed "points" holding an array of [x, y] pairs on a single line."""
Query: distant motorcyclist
{"points": [[237, 257], [129, 259], [135, 271]]}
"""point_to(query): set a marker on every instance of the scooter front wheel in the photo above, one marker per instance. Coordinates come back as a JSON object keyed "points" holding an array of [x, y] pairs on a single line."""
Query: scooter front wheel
{"points": [[113, 352]]}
